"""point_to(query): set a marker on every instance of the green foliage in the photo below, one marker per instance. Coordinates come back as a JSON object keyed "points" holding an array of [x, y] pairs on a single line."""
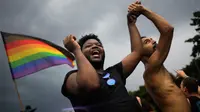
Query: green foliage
{"points": [[193, 69], [196, 20], [145, 97], [196, 39]]}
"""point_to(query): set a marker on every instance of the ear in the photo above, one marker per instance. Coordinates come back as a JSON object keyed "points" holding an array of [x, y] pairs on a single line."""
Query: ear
{"points": [[185, 90]]}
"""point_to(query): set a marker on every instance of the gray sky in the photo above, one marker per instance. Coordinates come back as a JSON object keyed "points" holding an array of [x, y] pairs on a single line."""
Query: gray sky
{"points": [[55, 19]]}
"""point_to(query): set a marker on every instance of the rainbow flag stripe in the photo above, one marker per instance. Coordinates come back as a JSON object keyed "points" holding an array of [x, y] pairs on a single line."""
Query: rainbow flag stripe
{"points": [[27, 54]]}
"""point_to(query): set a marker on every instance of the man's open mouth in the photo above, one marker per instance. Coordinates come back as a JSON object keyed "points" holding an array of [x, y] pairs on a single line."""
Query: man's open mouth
{"points": [[154, 45], [95, 53]]}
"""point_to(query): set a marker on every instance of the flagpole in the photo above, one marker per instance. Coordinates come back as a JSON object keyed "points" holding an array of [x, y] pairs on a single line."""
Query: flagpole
{"points": [[20, 101]]}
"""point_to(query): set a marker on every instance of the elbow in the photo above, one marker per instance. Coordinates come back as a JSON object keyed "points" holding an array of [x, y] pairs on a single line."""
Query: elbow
{"points": [[168, 30], [139, 51]]}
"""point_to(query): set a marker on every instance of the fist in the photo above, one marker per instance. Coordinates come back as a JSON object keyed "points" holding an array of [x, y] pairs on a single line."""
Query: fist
{"points": [[136, 7], [70, 43], [131, 17], [132, 13], [181, 73]]}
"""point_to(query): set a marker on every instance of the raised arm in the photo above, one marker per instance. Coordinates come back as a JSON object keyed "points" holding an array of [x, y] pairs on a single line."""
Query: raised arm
{"points": [[131, 61], [86, 78], [135, 39], [166, 35], [182, 74]]}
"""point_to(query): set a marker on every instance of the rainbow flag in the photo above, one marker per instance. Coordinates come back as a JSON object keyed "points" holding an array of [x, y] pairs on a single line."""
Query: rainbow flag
{"points": [[27, 54]]}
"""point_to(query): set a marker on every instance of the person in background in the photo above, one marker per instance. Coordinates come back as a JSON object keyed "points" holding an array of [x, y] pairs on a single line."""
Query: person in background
{"points": [[146, 107], [189, 86], [182, 75]]}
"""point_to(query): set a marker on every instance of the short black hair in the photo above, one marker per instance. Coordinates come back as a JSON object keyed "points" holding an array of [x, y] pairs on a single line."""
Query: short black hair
{"points": [[178, 81], [191, 84], [87, 37]]}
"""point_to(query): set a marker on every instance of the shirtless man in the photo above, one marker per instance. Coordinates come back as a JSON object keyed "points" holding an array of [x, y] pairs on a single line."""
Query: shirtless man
{"points": [[158, 82]]}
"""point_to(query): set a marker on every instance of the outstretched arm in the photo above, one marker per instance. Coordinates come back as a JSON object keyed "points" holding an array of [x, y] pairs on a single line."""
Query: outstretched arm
{"points": [[131, 61], [86, 77], [166, 35], [135, 39]]}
